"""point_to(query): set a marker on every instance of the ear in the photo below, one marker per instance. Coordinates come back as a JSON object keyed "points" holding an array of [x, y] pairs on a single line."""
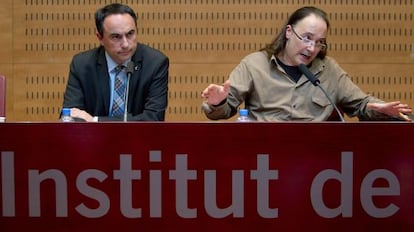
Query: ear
{"points": [[100, 37], [288, 31]]}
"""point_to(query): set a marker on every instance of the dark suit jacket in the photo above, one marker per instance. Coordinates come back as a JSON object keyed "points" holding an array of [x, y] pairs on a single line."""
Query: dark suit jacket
{"points": [[88, 85]]}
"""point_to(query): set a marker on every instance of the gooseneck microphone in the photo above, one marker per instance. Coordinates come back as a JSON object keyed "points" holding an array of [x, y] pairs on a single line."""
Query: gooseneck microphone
{"points": [[308, 74], [129, 71]]}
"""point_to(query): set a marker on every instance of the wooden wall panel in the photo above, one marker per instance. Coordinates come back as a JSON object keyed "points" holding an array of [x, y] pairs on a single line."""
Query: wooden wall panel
{"points": [[205, 40], [186, 83], [395, 82], [6, 50]]}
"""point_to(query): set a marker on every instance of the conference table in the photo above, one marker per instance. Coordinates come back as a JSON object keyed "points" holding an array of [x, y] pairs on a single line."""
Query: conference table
{"points": [[206, 176]]}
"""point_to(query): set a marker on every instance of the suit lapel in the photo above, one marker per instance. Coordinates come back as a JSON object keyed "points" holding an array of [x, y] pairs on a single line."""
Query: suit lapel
{"points": [[103, 80], [133, 82]]}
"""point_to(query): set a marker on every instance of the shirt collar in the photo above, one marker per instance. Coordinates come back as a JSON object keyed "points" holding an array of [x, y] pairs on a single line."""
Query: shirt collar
{"points": [[111, 63]]}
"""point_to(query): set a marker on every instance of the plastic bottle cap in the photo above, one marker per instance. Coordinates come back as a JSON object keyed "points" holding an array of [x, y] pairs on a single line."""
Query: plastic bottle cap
{"points": [[66, 111], [243, 112]]}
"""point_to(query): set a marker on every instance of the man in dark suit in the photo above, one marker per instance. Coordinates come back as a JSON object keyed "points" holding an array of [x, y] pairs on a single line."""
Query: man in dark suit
{"points": [[90, 88]]}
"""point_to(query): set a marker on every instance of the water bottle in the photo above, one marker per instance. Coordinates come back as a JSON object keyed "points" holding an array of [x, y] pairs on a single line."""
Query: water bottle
{"points": [[66, 115], [243, 116]]}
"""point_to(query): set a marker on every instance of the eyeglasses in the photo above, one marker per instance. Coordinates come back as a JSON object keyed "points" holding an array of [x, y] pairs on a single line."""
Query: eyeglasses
{"points": [[318, 44]]}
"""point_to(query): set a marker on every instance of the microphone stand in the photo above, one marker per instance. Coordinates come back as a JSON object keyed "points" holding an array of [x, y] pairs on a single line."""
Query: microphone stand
{"points": [[316, 82], [129, 71], [126, 98], [330, 101]]}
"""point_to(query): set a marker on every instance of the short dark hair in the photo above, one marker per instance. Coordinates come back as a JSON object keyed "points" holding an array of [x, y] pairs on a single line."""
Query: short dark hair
{"points": [[279, 43], [111, 9]]}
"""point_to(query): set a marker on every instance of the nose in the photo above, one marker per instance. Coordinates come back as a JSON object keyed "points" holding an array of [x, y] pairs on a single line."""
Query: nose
{"points": [[124, 41], [311, 46]]}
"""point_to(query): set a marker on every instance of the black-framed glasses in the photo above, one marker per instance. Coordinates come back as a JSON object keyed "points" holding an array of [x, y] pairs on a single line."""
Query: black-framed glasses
{"points": [[318, 44]]}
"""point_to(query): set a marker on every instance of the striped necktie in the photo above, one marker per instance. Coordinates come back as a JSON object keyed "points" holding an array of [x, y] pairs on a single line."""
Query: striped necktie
{"points": [[118, 104]]}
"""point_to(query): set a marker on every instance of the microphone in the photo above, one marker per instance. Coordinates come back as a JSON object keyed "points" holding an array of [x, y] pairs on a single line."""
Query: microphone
{"points": [[129, 70], [308, 74]]}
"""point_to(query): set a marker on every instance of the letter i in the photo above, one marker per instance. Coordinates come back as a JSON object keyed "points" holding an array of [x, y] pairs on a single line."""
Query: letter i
{"points": [[7, 183], [155, 193]]}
